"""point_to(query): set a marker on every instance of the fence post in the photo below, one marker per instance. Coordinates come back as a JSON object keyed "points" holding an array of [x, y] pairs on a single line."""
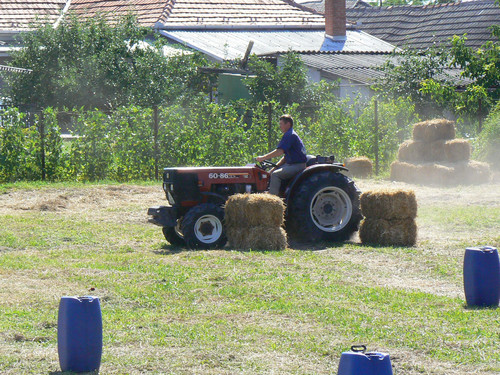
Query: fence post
{"points": [[155, 138], [376, 138], [269, 125], [479, 115], [41, 128]]}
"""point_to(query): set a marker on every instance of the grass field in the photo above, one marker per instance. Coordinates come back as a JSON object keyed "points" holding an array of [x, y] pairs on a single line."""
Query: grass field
{"points": [[167, 310]]}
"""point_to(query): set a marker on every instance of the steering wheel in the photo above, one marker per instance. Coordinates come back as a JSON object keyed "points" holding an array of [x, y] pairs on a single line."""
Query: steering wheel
{"points": [[266, 164]]}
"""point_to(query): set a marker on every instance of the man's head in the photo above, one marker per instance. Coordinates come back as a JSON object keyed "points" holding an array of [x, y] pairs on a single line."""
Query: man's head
{"points": [[286, 122]]}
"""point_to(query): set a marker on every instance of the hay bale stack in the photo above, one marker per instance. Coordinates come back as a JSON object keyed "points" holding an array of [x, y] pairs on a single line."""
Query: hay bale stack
{"points": [[435, 157], [389, 217], [433, 130], [361, 167], [397, 232], [389, 204], [254, 221], [457, 150]]}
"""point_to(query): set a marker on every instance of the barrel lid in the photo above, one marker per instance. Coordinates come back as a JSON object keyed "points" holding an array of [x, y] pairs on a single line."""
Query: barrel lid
{"points": [[360, 350], [81, 298], [484, 249]]}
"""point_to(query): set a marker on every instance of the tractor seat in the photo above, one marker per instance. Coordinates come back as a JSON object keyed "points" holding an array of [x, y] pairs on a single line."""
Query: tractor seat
{"points": [[311, 159]]}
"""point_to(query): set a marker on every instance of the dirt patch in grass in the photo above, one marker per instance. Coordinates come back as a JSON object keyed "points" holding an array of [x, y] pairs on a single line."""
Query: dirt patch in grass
{"points": [[122, 203]]}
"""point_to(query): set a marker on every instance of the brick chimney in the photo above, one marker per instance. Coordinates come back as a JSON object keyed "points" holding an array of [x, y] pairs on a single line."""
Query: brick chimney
{"points": [[335, 18]]}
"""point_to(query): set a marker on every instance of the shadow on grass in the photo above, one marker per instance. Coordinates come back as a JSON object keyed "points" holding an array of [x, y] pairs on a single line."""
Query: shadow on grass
{"points": [[168, 249], [472, 308], [71, 373]]}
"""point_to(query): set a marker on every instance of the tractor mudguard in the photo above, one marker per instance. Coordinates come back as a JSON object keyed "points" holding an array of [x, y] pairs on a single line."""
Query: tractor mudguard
{"points": [[164, 216], [334, 168]]}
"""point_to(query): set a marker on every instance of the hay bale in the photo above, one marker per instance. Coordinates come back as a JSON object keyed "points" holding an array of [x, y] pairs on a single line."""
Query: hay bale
{"points": [[257, 238], [405, 172], [471, 173], [397, 232], [420, 151], [435, 174], [249, 210], [457, 150], [361, 167], [389, 204], [433, 130]]}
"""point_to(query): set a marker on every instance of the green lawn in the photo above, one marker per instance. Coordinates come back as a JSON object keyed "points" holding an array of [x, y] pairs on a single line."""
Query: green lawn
{"points": [[167, 310]]}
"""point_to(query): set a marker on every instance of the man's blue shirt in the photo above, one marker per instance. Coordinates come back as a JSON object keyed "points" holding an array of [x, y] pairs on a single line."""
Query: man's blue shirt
{"points": [[294, 149]]}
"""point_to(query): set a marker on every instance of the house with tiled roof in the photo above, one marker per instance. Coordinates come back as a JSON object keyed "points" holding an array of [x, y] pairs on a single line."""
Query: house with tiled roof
{"points": [[222, 29], [420, 26]]}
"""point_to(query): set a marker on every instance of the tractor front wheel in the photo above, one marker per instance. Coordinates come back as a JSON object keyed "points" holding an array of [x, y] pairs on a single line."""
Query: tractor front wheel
{"points": [[174, 236], [202, 227], [325, 206]]}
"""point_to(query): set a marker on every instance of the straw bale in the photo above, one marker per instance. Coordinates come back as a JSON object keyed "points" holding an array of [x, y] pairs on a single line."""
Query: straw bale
{"points": [[471, 173], [435, 174], [257, 238], [389, 204], [248, 210], [421, 151], [457, 150], [359, 167], [406, 172], [433, 130], [397, 232]]}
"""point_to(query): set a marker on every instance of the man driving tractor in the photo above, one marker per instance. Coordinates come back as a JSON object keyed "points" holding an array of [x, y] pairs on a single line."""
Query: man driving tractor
{"points": [[294, 159]]}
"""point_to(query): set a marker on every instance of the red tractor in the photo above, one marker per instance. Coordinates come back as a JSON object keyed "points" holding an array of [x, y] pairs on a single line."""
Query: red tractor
{"points": [[322, 203]]}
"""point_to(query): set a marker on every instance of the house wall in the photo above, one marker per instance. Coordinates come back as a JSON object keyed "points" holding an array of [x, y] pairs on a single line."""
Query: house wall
{"points": [[347, 88]]}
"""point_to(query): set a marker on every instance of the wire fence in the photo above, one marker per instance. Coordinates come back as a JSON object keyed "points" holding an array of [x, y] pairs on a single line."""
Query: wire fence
{"points": [[158, 137]]}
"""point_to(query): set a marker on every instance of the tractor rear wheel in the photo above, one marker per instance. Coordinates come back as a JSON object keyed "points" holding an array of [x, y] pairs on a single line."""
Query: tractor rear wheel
{"points": [[174, 236], [202, 227], [324, 206]]}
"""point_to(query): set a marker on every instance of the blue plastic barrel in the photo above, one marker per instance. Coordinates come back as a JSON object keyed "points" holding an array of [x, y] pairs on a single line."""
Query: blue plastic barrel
{"points": [[358, 362], [79, 334], [482, 276]]}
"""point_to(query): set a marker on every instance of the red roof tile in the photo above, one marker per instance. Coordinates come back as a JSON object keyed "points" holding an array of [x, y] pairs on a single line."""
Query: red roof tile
{"points": [[203, 12], [148, 12], [19, 14]]}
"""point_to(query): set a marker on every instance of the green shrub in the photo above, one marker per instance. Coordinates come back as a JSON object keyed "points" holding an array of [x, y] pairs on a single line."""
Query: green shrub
{"points": [[487, 144], [90, 155], [132, 145]]}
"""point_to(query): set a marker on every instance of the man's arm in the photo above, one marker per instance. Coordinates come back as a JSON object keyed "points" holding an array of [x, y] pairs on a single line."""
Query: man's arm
{"points": [[270, 155]]}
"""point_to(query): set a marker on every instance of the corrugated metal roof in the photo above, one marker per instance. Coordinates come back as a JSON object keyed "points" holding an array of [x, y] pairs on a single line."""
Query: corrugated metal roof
{"points": [[229, 45], [359, 67], [362, 67], [14, 69]]}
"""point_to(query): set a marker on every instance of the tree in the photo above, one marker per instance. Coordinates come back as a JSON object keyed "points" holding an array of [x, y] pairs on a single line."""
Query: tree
{"points": [[286, 83], [421, 77], [406, 71], [93, 64]]}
